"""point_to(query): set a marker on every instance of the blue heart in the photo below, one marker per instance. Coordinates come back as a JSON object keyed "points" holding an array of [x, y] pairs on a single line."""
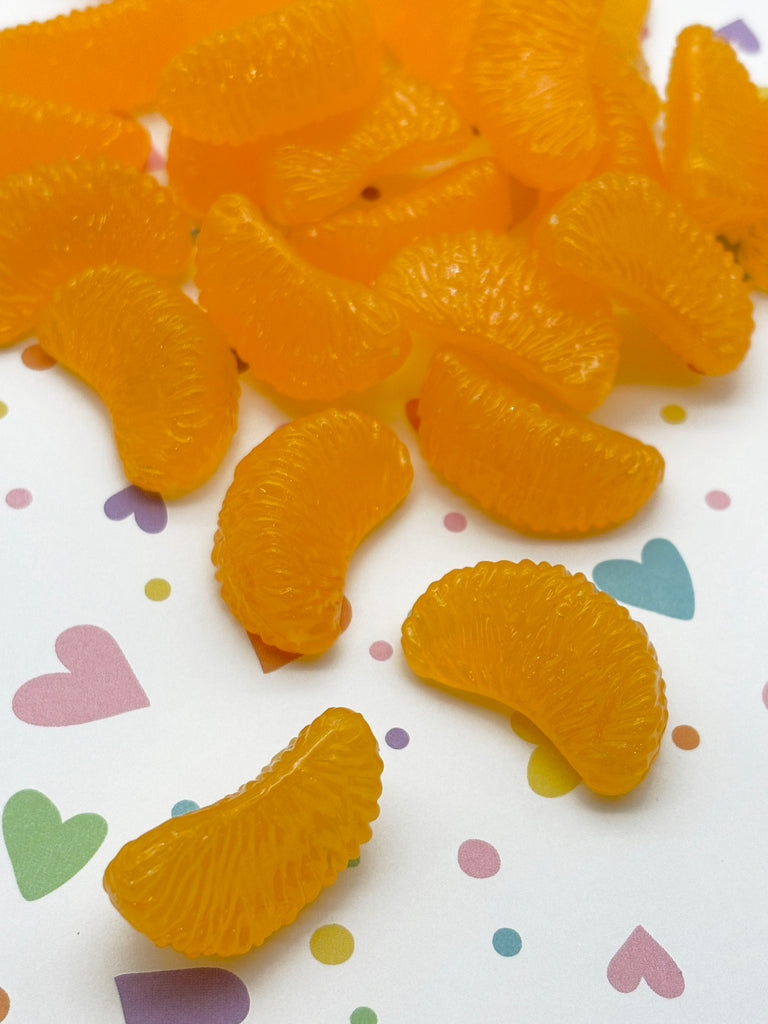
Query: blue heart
{"points": [[660, 581]]}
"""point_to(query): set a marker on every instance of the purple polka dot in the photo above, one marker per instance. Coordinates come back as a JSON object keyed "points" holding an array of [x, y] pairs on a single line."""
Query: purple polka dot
{"points": [[717, 499], [397, 738], [455, 522], [478, 858], [19, 497], [765, 695], [380, 650]]}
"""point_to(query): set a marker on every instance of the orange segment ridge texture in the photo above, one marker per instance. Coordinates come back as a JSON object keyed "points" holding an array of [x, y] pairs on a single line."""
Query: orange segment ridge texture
{"points": [[106, 57], [625, 234], [541, 641], [41, 131], [492, 294], [220, 880], [164, 371], [357, 242], [538, 468], [280, 70], [529, 90], [308, 334], [58, 219], [298, 507]]}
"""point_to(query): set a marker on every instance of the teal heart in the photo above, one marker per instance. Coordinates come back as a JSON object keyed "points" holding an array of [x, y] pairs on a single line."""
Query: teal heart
{"points": [[45, 851], [660, 581]]}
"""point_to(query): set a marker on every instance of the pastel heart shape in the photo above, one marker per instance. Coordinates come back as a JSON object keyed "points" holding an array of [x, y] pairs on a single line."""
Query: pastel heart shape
{"points": [[99, 682], [741, 35], [660, 581], [148, 508], [45, 851], [641, 957], [195, 995]]}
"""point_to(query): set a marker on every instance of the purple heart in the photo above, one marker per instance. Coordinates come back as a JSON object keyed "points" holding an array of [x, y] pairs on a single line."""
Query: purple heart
{"points": [[741, 35], [148, 508], [195, 995]]}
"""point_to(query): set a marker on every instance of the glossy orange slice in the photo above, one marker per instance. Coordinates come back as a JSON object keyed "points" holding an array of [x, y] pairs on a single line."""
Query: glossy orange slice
{"points": [[299, 505], [629, 140], [529, 89], [625, 234], [716, 133], [40, 131], [359, 241], [538, 640], [220, 880], [164, 371], [106, 57], [537, 468], [308, 334], [286, 68], [57, 219], [493, 295], [314, 172]]}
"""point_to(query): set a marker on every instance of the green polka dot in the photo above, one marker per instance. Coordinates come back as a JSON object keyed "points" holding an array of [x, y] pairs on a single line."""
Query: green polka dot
{"points": [[157, 589], [673, 413], [353, 863], [363, 1015], [332, 944]]}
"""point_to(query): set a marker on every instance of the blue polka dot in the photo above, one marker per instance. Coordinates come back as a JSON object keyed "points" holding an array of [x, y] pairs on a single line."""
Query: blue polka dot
{"points": [[184, 807], [507, 942]]}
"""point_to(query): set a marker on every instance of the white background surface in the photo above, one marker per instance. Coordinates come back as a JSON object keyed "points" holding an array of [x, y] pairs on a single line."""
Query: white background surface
{"points": [[684, 855]]}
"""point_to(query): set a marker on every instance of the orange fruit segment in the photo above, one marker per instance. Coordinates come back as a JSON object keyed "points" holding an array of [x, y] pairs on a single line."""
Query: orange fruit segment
{"points": [[200, 172], [41, 131], [492, 294], [89, 58], [359, 241], [314, 172], [203, 18], [630, 144], [220, 880], [538, 640], [529, 89], [623, 233], [300, 504], [165, 373], [537, 468], [57, 219], [308, 334], [716, 133], [280, 70]]}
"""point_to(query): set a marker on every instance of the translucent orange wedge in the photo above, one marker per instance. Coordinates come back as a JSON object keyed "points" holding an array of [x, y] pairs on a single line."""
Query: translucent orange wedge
{"points": [[491, 294], [529, 90], [537, 468], [41, 131], [220, 880], [299, 505], [308, 334], [165, 373], [358, 242], [280, 70], [623, 233], [315, 172], [90, 58], [538, 640], [629, 140], [57, 219], [716, 134]]}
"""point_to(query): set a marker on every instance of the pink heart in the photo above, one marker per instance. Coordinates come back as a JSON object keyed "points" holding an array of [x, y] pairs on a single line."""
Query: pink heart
{"points": [[99, 682], [642, 957]]}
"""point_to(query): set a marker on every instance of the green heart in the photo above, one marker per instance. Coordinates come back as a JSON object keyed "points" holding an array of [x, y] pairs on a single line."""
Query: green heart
{"points": [[45, 851]]}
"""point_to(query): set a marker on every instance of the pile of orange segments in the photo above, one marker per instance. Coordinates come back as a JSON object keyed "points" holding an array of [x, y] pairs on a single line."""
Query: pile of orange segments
{"points": [[470, 198]]}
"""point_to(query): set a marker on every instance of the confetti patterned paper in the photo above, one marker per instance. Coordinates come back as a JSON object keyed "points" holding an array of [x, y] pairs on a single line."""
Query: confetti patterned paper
{"points": [[496, 886]]}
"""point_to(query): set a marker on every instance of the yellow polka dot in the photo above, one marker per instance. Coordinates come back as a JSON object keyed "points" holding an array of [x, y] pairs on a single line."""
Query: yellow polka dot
{"points": [[332, 944], [157, 589], [3, 409], [673, 413]]}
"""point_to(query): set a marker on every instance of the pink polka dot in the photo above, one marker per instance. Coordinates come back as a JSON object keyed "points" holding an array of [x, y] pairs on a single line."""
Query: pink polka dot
{"points": [[717, 499], [478, 858], [155, 160], [765, 695], [19, 497], [380, 650], [455, 522]]}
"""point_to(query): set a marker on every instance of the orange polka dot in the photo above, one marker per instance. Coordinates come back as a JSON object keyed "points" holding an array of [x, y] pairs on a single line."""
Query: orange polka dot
{"points": [[35, 358], [685, 737]]}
